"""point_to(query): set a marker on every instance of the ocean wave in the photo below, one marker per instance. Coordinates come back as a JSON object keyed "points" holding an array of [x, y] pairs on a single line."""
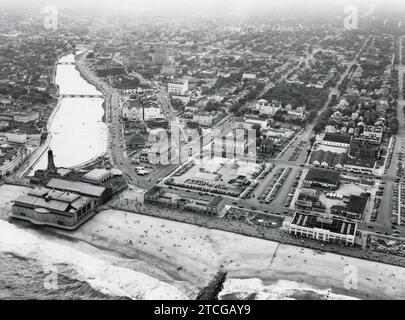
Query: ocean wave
{"points": [[23, 278], [255, 289], [99, 274]]}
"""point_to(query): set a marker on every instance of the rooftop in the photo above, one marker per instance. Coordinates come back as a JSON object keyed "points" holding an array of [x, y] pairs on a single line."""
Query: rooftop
{"points": [[97, 175], [337, 137], [215, 201], [357, 204], [331, 224], [322, 175], [76, 186], [48, 200], [365, 163], [365, 144], [331, 158]]}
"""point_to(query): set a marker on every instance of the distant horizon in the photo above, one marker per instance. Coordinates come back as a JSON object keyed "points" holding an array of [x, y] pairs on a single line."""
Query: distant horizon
{"points": [[212, 7]]}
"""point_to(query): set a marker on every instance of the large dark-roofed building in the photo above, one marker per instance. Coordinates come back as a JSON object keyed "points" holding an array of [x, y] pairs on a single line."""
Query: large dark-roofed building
{"points": [[327, 159], [86, 189], [355, 207], [360, 165], [323, 228], [323, 178], [337, 139], [43, 206], [365, 149]]}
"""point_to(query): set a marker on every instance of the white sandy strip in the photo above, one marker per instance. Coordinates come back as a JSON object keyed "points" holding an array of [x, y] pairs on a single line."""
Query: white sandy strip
{"points": [[200, 252], [194, 254]]}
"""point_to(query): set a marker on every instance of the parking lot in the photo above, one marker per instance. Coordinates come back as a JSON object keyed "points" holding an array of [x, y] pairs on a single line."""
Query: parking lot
{"points": [[217, 175]]}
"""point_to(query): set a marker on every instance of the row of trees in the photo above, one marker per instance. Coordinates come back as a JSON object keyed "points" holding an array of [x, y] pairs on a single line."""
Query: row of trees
{"points": [[297, 95]]}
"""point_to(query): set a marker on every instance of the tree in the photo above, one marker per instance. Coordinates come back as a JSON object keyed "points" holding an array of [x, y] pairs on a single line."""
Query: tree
{"points": [[235, 108], [176, 103], [212, 106], [258, 129], [320, 126], [394, 126]]}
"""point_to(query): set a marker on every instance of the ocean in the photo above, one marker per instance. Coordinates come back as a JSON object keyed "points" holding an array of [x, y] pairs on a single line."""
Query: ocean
{"points": [[31, 262], [22, 278]]}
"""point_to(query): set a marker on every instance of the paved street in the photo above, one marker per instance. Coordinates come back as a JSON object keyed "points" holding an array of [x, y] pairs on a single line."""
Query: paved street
{"points": [[384, 217]]}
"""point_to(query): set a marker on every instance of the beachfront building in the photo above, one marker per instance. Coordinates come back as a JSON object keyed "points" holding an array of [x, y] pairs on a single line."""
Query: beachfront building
{"points": [[99, 193], [328, 229], [157, 196], [61, 209]]}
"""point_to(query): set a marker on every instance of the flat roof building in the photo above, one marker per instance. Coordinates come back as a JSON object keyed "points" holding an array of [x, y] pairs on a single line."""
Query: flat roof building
{"points": [[102, 194], [360, 165], [337, 139], [177, 87], [365, 149], [156, 195], [323, 178], [355, 207], [98, 175], [323, 228]]}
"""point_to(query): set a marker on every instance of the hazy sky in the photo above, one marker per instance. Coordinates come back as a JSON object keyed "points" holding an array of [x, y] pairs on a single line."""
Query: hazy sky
{"points": [[204, 6]]}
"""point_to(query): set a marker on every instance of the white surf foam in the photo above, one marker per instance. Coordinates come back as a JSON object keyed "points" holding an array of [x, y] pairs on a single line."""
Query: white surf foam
{"points": [[283, 289], [101, 275]]}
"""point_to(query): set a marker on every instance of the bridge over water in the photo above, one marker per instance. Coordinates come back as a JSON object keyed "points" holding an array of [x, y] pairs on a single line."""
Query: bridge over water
{"points": [[82, 96]]}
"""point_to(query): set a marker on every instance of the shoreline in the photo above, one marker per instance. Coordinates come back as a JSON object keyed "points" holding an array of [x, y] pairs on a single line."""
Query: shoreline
{"points": [[187, 256], [282, 237], [106, 105], [283, 258], [84, 74], [45, 145]]}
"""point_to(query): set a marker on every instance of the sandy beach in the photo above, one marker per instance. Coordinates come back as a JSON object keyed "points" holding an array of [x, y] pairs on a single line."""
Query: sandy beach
{"points": [[160, 253]]}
